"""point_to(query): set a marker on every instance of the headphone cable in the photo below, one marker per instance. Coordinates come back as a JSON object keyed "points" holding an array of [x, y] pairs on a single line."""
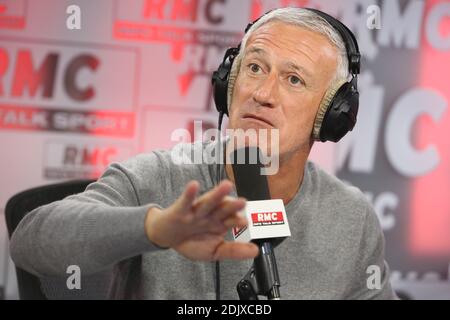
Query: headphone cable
{"points": [[219, 178]]}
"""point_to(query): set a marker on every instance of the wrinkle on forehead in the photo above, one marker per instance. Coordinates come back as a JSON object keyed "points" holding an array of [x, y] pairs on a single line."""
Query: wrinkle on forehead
{"points": [[309, 49], [270, 32]]}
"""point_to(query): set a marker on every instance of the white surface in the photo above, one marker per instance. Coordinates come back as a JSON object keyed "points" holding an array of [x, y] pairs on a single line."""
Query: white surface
{"points": [[253, 232]]}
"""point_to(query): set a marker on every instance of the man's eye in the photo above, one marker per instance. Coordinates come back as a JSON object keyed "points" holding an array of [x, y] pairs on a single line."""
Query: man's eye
{"points": [[255, 68], [294, 80]]}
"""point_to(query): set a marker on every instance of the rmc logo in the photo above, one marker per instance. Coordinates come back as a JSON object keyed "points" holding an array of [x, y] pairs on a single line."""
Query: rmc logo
{"points": [[77, 160], [198, 32], [267, 218], [35, 76]]}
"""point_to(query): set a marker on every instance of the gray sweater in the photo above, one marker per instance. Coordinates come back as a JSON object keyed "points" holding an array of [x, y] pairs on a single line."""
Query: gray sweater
{"points": [[335, 237]]}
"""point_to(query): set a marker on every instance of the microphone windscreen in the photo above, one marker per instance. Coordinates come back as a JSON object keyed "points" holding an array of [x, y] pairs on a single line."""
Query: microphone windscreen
{"points": [[249, 181]]}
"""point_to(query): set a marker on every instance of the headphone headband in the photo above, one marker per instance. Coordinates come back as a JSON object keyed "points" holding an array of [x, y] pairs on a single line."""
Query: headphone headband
{"points": [[351, 45]]}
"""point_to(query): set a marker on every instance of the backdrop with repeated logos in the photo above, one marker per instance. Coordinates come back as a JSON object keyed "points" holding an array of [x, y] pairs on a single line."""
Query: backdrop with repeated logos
{"points": [[74, 100]]}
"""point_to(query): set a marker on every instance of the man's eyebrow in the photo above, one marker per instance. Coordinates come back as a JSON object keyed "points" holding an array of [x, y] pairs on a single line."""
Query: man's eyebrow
{"points": [[292, 65], [288, 64]]}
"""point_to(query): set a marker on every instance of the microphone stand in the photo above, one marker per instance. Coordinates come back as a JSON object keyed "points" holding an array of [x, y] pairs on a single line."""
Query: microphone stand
{"points": [[263, 278]]}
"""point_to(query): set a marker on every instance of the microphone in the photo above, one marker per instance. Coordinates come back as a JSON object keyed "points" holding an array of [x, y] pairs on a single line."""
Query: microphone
{"points": [[267, 225]]}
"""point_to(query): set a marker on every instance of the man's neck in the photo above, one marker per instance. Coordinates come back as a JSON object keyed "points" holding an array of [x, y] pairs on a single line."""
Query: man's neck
{"points": [[287, 181]]}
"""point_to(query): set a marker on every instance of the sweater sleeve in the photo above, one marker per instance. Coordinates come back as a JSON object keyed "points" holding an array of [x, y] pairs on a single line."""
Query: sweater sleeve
{"points": [[372, 272], [93, 230]]}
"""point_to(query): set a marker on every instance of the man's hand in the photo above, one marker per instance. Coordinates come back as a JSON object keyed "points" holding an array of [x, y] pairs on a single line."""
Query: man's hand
{"points": [[196, 227]]}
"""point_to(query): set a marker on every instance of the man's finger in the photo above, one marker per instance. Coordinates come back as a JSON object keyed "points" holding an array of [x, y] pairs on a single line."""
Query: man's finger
{"points": [[228, 208], [207, 202], [187, 198], [236, 251]]}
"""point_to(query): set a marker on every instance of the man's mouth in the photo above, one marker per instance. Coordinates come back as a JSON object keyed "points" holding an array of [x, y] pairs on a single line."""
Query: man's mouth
{"points": [[257, 118]]}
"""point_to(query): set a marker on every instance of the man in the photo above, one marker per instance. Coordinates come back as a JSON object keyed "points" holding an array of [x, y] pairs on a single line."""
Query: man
{"points": [[162, 225]]}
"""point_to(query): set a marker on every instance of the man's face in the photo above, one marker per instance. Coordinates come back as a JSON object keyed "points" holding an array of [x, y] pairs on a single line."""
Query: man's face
{"points": [[283, 77]]}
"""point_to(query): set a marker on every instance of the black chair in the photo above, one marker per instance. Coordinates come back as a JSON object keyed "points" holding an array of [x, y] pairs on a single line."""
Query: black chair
{"points": [[30, 286]]}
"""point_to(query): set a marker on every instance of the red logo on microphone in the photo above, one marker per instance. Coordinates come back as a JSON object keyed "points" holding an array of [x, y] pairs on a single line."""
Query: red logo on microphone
{"points": [[238, 231], [267, 218]]}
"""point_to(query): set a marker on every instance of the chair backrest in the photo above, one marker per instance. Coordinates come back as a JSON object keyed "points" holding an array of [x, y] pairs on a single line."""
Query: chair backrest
{"points": [[30, 286]]}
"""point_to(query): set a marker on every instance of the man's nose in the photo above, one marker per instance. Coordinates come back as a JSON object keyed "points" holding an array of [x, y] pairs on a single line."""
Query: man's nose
{"points": [[265, 93]]}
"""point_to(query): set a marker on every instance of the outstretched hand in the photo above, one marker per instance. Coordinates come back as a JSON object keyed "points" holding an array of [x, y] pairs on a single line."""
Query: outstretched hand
{"points": [[196, 226]]}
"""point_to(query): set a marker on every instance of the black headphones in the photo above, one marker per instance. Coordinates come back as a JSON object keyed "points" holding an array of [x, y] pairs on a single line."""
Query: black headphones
{"points": [[339, 107]]}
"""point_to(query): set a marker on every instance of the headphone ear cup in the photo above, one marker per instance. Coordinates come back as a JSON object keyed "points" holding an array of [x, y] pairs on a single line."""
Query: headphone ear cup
{"points": [[220, 80], [220, 87], [324, 106], [340, 117]]}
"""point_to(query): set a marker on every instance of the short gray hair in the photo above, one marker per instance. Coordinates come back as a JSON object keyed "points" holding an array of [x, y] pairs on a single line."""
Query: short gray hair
{"points": [[303, 18]]}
